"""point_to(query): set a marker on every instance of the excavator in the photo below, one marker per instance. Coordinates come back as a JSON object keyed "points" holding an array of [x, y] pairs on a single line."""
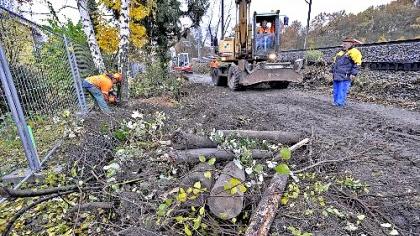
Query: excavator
{"points": [[251, 56]]}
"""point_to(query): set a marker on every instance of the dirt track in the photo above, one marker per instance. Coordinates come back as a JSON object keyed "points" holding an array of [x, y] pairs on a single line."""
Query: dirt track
{"points": [[383, 142]]}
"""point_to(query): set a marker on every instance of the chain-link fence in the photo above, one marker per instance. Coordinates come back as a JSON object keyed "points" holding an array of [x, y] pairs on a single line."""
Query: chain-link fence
{"points": [[41, 75]]}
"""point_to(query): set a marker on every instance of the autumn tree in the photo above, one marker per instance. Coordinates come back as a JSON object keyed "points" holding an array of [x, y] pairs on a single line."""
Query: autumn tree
{"points": [[164, 26]]}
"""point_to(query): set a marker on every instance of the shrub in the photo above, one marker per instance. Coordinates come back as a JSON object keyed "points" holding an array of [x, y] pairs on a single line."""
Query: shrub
{"points": [[155, 82], [314, 56]]}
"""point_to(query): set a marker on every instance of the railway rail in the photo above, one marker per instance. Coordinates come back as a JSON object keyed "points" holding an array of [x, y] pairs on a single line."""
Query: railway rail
{"points": [[400, 55]]}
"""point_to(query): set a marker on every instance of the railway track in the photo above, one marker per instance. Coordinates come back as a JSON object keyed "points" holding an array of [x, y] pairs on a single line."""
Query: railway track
{"points": [[400, 55]]}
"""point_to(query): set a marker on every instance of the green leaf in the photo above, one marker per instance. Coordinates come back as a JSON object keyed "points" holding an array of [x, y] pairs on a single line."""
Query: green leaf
{"points": [[285, 154], [212, 161], [284, 200], [179, 219], [202, 211], [234, 220], [234, 182], [234, 190], [227, 186], [182, 196], [196, 191], [282, 169], [197, 185], [168, 201], [242, 188], [259, 168], [162, 210], [187, 230], [306, 234], [207, 175], [197, 223], [202, 158]]}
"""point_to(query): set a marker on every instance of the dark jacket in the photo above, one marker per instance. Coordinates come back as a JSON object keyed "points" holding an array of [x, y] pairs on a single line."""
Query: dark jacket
{"points": [[346, 64]]}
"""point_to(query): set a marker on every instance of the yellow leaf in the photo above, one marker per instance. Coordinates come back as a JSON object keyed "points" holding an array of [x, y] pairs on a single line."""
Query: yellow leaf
{"points": [[284, 200], [234, 190], [242, 188], [207, 174]]}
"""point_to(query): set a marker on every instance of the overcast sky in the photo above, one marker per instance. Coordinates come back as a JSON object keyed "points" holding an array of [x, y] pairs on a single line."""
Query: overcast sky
{"points": [[295, 9]]}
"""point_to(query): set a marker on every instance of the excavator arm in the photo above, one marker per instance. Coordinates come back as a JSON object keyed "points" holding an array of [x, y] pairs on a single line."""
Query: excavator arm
{"points": [[242, 33]]}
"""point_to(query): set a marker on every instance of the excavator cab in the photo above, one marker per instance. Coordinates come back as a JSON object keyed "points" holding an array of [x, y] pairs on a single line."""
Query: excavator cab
{"points": [[266, 35]]}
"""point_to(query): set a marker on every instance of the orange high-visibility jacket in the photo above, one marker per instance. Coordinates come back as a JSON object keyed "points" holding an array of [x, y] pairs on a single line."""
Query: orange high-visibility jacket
{"points": [[102, 82], [265, 30]]}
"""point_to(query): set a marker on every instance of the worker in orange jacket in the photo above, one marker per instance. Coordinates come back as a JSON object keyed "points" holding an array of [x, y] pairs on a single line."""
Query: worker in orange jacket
{"points": [[100, 87], [264, 29]]}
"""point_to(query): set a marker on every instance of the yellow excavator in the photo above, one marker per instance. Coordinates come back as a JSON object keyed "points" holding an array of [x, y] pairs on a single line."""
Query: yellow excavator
{"points": [[251, 56]]}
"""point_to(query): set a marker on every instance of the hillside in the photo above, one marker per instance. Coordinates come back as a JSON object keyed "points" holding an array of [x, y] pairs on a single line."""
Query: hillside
{"points": [[396, 21]]}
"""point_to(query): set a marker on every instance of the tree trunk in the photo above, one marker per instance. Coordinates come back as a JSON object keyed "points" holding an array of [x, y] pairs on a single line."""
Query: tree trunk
{"points": [[192, 155], [277, 136], [123, 48], [221, 202], [198, 175], [183, 140], [88, 29]]}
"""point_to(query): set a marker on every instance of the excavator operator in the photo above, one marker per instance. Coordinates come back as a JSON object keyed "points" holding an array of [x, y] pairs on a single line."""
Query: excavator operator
{"points": [[264, 29]]}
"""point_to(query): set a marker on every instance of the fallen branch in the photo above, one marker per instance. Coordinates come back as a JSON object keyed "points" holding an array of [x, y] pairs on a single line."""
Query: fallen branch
{"points": [[320, 163], [11, 193], [23, 210], [91, 206], [266, 211], [192, 155]]}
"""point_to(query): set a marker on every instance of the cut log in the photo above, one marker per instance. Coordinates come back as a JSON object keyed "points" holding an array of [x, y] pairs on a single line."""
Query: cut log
{"points": [[221, 202], [266, 211], [192, 155], [277, 136], [181, 140], [197, 175]]}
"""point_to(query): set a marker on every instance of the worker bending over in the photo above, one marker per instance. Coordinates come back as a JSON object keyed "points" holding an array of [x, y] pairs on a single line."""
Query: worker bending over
{"points": [[100, 87], [346, 66]]}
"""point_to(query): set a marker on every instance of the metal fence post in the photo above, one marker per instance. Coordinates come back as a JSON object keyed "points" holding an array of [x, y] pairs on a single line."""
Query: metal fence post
{"points": [[76, 76], [17, 113]]}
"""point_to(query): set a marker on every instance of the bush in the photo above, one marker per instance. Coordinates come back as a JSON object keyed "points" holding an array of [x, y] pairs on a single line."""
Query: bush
{"points": [[201, 68], [155, 82], [314, 56]]}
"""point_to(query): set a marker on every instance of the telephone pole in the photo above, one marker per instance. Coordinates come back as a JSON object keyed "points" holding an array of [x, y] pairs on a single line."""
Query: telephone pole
{"points": [[223, 18]]}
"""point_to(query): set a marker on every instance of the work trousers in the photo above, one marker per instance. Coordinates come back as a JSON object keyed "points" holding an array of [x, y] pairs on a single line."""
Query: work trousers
{"points": [[97, 96], [340, 90]]}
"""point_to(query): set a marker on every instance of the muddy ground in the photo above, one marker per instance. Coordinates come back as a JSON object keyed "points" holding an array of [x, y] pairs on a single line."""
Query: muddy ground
{"points": [[382, 142]]}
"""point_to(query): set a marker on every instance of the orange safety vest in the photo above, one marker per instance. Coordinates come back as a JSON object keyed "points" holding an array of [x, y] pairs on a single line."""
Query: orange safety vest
{"points": [[266, 30]]}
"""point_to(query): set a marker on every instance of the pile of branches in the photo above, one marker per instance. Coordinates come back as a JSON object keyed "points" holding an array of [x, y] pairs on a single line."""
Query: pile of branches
{"points": [[131, 174]]}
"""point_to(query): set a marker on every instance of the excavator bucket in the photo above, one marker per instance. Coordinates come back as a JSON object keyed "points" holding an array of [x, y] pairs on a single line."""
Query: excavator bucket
{"points": [[273, 72]]}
